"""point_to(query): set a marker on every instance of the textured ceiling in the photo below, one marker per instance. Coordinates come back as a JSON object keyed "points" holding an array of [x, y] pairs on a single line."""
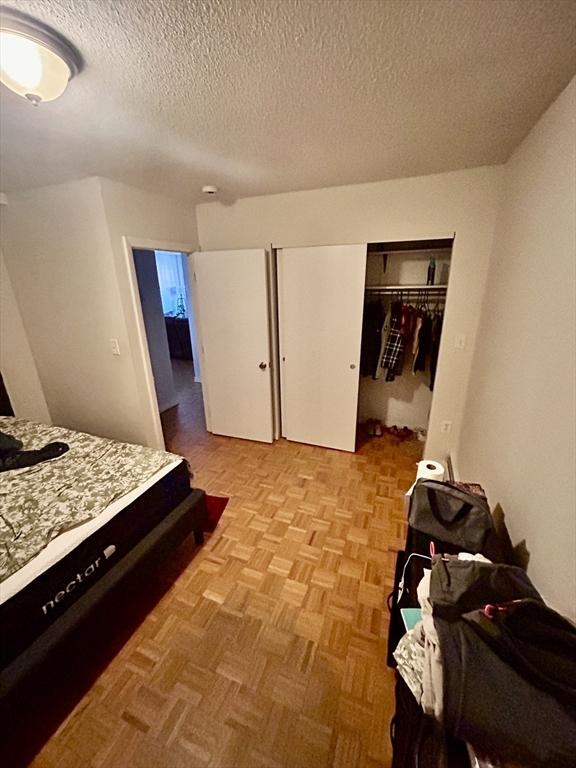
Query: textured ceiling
{"points": [[261, 96]]}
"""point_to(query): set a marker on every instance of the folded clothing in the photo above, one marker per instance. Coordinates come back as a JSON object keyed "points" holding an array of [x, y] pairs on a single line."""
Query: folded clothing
{"points": [[432, 678], [409, 655]]}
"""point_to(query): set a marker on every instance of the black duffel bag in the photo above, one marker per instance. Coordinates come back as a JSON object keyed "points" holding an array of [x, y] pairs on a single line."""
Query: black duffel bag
{"points": [[509, 669], [450, 515]]}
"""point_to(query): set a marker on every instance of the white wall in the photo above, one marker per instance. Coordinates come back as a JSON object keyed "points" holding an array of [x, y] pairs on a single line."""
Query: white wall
{"points": [[64, 253], [150, 221], [404, 402], [57, 252], [519, 432], [16, 361], [464, 202]]}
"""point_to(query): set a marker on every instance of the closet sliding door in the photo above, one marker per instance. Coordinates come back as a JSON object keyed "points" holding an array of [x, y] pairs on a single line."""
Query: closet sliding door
{"points": [[321, 298], [232, 314]]}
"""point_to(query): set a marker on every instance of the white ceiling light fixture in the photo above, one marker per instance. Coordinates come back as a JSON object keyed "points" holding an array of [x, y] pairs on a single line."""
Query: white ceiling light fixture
{"points": [[36, 62]]}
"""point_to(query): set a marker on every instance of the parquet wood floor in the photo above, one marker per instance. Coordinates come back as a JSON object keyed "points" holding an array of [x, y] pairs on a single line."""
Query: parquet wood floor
{"points": [[268, 649]]}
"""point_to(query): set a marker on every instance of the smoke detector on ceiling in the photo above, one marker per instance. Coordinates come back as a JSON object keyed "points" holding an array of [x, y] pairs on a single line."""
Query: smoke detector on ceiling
{"points": [[209, 189]]}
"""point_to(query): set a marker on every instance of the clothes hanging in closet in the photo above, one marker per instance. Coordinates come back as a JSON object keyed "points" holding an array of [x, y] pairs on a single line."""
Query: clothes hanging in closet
{"points": [[391, 337], [392, 358], [372, 323], [424, 344], [435, 346], [383, 341]]}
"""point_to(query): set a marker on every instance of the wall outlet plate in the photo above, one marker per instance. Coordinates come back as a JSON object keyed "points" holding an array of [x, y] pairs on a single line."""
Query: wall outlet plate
{"points": [[445, 426]]}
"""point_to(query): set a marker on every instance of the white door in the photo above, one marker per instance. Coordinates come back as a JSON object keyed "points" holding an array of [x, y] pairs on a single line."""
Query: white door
{"points": [[231, 293], [321, 298]]}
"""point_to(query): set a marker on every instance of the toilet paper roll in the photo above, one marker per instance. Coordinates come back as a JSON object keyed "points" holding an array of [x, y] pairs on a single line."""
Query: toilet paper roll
{"points": [[430, 470]]}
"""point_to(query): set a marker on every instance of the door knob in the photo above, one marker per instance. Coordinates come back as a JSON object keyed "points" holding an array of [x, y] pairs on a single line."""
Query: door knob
{"points": [[262, 366]]}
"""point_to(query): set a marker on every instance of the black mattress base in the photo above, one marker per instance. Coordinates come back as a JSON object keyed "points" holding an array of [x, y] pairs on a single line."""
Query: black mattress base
{"points": [[18, 676], [29, 612]]}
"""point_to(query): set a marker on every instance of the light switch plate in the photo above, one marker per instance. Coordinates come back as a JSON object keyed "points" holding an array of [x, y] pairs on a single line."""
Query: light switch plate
{"points": [[460, 341]]}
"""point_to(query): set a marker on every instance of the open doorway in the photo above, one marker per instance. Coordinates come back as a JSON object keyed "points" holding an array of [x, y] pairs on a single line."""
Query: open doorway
{"points": [[168, 313]]}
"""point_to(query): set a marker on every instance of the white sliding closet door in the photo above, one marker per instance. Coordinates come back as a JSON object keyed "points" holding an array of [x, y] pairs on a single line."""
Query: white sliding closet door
{"points": [[321, 299], [231, 291]]}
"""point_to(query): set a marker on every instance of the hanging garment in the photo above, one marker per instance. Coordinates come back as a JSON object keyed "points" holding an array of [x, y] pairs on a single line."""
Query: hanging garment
{"points": [[393, 350], [424, 344], [407, 321], [435, 346], [392, 353], [372, 322], [383, 341], [416, 339], [407, 325]]}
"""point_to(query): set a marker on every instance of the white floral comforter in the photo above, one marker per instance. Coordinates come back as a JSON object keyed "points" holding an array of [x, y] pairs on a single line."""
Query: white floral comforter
{"points": [[38, 503]]}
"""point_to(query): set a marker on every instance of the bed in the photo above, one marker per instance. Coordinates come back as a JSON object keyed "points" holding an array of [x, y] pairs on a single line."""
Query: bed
{"points": [[74, 530]]}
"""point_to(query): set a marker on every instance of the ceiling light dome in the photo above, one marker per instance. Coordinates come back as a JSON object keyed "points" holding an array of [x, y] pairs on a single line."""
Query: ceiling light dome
{"points": [[36, 62]]}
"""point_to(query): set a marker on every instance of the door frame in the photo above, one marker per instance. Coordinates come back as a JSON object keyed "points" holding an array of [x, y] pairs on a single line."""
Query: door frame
{"points": [[139, 342], [274, 331]]}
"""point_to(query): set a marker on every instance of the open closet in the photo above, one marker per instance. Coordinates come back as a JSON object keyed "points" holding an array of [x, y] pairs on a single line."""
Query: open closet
{"points": [[288, 361], [405, 295]]}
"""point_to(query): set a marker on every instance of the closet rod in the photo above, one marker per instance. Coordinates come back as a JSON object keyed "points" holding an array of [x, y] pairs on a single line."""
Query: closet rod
{"points": [[407, 288]]}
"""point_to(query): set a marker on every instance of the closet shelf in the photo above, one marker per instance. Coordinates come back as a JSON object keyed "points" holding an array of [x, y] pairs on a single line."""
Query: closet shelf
{"points": [[406, 288]]}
